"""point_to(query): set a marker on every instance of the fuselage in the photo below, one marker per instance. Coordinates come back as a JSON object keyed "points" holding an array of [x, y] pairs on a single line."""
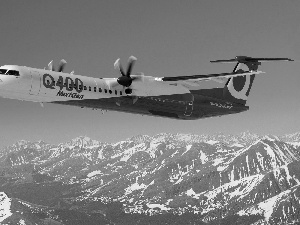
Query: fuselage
{"points": [[150, 97]]}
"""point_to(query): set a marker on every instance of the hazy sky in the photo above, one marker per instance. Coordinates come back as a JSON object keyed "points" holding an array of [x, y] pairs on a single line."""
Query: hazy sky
{"points": [[169, 38]]}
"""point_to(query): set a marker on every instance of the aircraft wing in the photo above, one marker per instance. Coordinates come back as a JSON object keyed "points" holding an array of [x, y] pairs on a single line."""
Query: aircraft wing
{"points": [[208, 76]]}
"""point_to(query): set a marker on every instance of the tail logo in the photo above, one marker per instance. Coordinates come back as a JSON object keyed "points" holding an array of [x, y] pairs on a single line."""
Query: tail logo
{"points": [[239, 87], [236, 91]]}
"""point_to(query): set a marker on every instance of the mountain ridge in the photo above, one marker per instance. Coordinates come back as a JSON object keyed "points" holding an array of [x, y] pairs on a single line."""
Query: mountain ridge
{"points": [[210, 178]]}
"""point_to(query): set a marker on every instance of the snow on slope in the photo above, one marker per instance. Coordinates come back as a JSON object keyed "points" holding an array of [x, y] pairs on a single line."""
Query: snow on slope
{"points": [[167, 172], [5, 204]]}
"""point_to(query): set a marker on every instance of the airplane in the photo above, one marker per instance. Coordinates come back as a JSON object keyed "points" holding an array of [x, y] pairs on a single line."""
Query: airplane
{"points": [[171, 97]]}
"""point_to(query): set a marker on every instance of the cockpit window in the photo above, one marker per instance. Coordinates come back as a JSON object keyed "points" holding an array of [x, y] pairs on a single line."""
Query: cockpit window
{"points": [[2, 71], [13, 72]]}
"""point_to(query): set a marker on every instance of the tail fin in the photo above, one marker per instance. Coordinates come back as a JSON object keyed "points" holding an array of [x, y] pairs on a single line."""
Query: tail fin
{"points": [[237, 89]]}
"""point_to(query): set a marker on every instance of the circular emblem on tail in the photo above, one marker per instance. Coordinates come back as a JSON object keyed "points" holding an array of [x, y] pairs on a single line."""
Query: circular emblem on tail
{"points": [[239, 86]]}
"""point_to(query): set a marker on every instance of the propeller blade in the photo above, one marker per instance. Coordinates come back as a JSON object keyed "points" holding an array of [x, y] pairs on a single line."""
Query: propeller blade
{"points": [[61, 65], [131, 62], [118, 66], [50, 65], [134, 99], [131, 93]]}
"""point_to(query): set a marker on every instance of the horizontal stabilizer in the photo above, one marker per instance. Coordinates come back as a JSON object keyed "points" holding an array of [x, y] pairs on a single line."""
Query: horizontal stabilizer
{"points": [[243, 59], [209, 76]]}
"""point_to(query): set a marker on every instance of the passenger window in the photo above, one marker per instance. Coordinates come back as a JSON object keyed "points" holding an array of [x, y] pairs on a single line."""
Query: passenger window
{"points": [[120, 92], [116, 92], [95, 89], [110, 91], [100, 90], [90, 89], [85, 88], [105, 90]]}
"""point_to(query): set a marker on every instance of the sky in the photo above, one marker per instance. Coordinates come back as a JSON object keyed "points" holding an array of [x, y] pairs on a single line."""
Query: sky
{"points": [[169, 38]]}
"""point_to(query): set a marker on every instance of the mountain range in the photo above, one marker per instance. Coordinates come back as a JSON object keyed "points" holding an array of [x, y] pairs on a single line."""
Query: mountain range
{"points": [[161, 179]]}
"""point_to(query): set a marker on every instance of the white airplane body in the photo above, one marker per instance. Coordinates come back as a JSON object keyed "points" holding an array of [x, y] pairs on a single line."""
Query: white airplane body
{"points": [[158, 96]]}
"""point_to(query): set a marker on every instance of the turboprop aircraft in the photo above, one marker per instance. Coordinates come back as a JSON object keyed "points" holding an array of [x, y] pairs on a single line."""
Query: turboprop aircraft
{"points": [[172, 97]]}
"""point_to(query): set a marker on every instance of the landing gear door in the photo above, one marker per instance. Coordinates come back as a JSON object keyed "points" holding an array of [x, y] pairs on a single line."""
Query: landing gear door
{"points": [[35, 83]]}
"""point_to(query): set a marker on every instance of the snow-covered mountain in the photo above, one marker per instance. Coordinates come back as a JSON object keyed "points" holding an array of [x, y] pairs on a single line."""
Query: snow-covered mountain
{"points": [[161, 179]]}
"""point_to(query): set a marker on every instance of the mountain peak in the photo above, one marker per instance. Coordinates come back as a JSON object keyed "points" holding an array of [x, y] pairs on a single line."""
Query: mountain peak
{"points": [[291, 137], [83, 138], [140, 138], [83, 141], [22, 142], [271, 137], [247, 133]]}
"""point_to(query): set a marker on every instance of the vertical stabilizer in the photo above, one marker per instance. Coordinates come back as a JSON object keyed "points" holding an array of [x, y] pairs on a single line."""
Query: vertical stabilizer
{"points": [[237, 89]]}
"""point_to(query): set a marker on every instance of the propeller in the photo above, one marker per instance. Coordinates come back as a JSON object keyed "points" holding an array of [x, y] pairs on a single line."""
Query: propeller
{"points": [[61, 65], [127, 78]]}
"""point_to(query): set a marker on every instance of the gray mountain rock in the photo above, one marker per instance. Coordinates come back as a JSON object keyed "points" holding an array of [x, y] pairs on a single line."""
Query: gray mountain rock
{"points": [[205, 179]]}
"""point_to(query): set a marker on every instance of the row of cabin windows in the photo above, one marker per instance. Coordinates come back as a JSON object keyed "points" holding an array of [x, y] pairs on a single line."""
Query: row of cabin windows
{"points": [[90, 89], [100, 90]]}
